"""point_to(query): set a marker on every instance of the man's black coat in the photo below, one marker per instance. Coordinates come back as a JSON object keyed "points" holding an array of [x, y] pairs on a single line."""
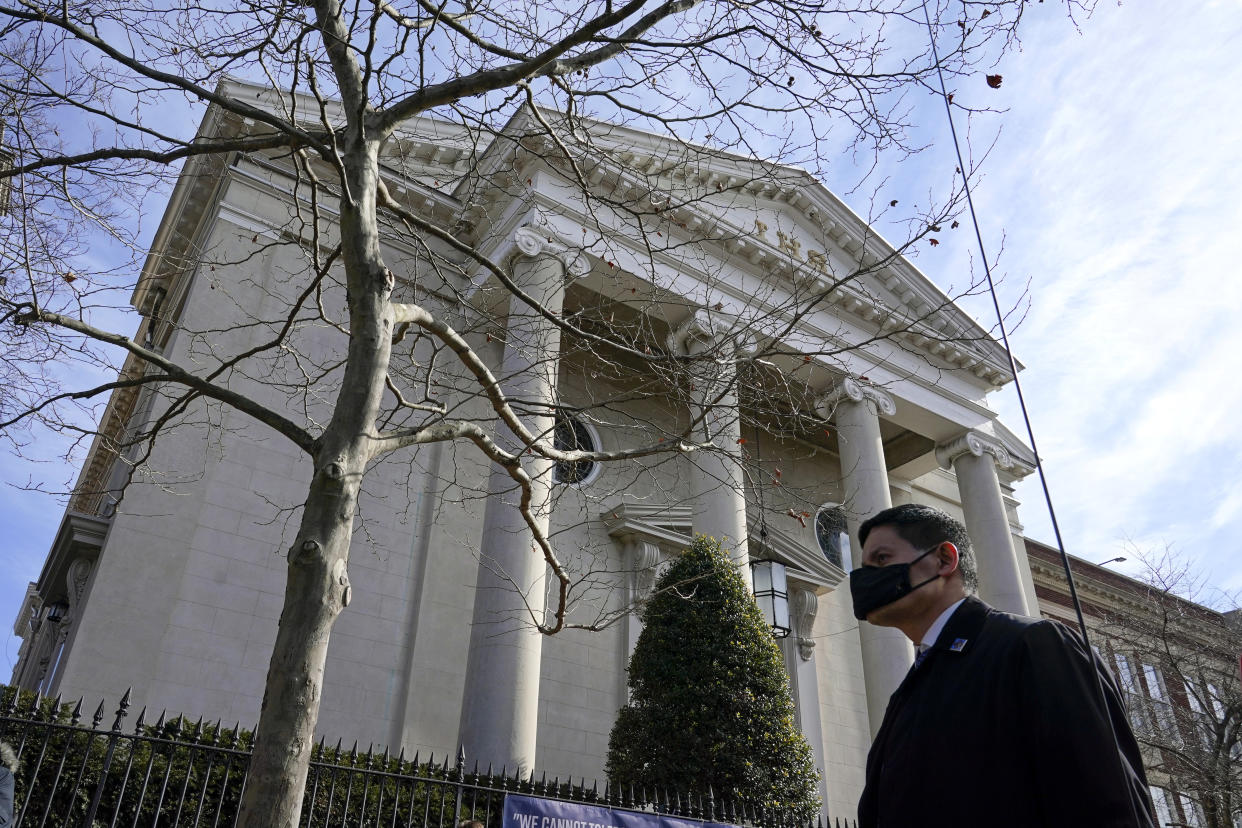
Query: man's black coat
{"points": [[1001, 725]]}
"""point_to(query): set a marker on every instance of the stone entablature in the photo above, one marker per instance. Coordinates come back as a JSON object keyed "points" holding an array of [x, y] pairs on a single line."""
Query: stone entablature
{"points": [[668, 528]]}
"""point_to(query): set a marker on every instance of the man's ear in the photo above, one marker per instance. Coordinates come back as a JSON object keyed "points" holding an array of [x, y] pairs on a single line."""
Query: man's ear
{"points": [[948, 557]]}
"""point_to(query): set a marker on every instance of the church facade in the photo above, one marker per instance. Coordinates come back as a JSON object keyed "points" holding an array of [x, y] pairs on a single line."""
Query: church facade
{"points": [[834, 379]]}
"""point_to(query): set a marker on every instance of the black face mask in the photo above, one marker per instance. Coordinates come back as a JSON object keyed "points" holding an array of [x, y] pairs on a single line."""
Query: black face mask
{"points": [[873, 587]]}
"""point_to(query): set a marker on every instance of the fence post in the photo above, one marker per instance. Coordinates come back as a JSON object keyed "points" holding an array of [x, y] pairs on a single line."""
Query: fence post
{"points": [[121, 710], [461, 780]]}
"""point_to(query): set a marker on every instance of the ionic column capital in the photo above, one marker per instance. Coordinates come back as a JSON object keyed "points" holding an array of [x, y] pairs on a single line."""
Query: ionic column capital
{"points": [[707, 330], [856, 390], [539, 238], [976, 443]]}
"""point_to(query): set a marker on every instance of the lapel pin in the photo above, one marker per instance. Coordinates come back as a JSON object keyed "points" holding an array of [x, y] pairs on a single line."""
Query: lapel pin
{"points": [[958, 645]]}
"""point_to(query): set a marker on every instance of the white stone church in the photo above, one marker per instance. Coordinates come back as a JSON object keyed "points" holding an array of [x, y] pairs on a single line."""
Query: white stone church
{"points": [[172, 584]]}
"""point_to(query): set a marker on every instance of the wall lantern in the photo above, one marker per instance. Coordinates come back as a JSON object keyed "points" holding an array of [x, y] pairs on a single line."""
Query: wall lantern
{"points": [[772, 595]]}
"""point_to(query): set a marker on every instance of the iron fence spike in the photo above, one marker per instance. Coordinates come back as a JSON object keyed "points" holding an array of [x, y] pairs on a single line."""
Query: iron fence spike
{"points": [[159, 725], [142, 720], [122, 709], [76, 715], [98, 715]]}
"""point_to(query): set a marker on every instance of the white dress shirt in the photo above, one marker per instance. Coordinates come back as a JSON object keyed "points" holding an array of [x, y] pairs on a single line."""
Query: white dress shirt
{"points": [[933, 632]]}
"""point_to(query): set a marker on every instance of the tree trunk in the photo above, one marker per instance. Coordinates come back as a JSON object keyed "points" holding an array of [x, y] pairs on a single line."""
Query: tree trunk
{"points": [[318, 585]]}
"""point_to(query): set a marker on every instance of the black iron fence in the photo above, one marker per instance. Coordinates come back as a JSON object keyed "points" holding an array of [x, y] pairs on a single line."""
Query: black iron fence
{"points": [[173, 772]]}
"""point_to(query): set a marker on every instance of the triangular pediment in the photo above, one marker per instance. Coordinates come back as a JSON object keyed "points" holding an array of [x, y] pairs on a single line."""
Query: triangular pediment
{"points": [[776, 223]]}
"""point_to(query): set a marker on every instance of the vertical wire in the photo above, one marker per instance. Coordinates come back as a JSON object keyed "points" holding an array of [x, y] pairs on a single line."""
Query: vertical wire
{"points": [[1000, 322], [1030, 431]]}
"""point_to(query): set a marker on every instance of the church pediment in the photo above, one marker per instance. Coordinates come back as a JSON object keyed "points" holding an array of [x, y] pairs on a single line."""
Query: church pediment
{"points": [[714, 213]]}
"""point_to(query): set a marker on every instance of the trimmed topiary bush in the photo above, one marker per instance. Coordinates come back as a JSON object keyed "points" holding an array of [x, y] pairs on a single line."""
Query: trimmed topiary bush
{"points": [[710, 703]]}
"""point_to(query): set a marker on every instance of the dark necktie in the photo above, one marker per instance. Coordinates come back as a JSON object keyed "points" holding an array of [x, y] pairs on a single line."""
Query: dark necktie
{"points": [[920, 658]]}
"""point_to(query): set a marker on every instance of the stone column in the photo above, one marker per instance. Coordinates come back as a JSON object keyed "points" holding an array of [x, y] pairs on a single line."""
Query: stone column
{"points": [[974, 458], [501, 702], [716, 482], [855, 407]]}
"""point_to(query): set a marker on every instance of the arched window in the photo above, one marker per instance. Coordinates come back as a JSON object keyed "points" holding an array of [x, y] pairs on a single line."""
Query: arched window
{"points": [[572, 434], [832, 534]]}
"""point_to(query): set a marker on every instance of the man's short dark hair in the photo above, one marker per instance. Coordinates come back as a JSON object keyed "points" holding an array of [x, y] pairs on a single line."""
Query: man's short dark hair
{"points": [[923, 527]]}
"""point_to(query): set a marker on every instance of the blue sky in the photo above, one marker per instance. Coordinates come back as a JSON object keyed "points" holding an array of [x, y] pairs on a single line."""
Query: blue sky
{"points": [[1114, 185], [1113, 189]]}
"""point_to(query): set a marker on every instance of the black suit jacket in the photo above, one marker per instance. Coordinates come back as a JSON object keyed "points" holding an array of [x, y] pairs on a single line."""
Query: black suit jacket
{"points": [[6, 797], [1002, 725]]}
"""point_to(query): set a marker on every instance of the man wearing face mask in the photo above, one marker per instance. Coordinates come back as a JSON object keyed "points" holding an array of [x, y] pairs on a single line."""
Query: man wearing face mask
{"points": [[1000, 721]]}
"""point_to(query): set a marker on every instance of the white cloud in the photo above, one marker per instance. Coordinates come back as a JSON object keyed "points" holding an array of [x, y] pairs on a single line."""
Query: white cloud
{"points": [[1125, 219]]}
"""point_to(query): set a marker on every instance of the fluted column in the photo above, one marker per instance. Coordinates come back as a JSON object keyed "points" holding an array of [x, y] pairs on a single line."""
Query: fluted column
{"points": [[717, 484], [855, 407], [500, 707], [974, 458]]}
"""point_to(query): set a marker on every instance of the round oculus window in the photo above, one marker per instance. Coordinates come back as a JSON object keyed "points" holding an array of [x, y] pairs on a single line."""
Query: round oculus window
{"points": [[573, 435], [831, 533]]}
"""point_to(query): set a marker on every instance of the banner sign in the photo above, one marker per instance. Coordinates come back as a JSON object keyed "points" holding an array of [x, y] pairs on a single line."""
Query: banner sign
{"points": [[532, 812]]}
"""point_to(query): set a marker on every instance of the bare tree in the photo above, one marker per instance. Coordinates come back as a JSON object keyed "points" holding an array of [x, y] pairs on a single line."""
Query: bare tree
{"points": [[1179, 658], [361, 361]]}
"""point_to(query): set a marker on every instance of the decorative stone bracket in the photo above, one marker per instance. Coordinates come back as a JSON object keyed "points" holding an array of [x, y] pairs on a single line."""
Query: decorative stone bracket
{"points": [[645, 557], [804, 604]]}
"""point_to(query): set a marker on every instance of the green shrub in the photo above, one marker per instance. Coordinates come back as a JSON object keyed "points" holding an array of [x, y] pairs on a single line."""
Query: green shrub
{"points": [[710, 705]]}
